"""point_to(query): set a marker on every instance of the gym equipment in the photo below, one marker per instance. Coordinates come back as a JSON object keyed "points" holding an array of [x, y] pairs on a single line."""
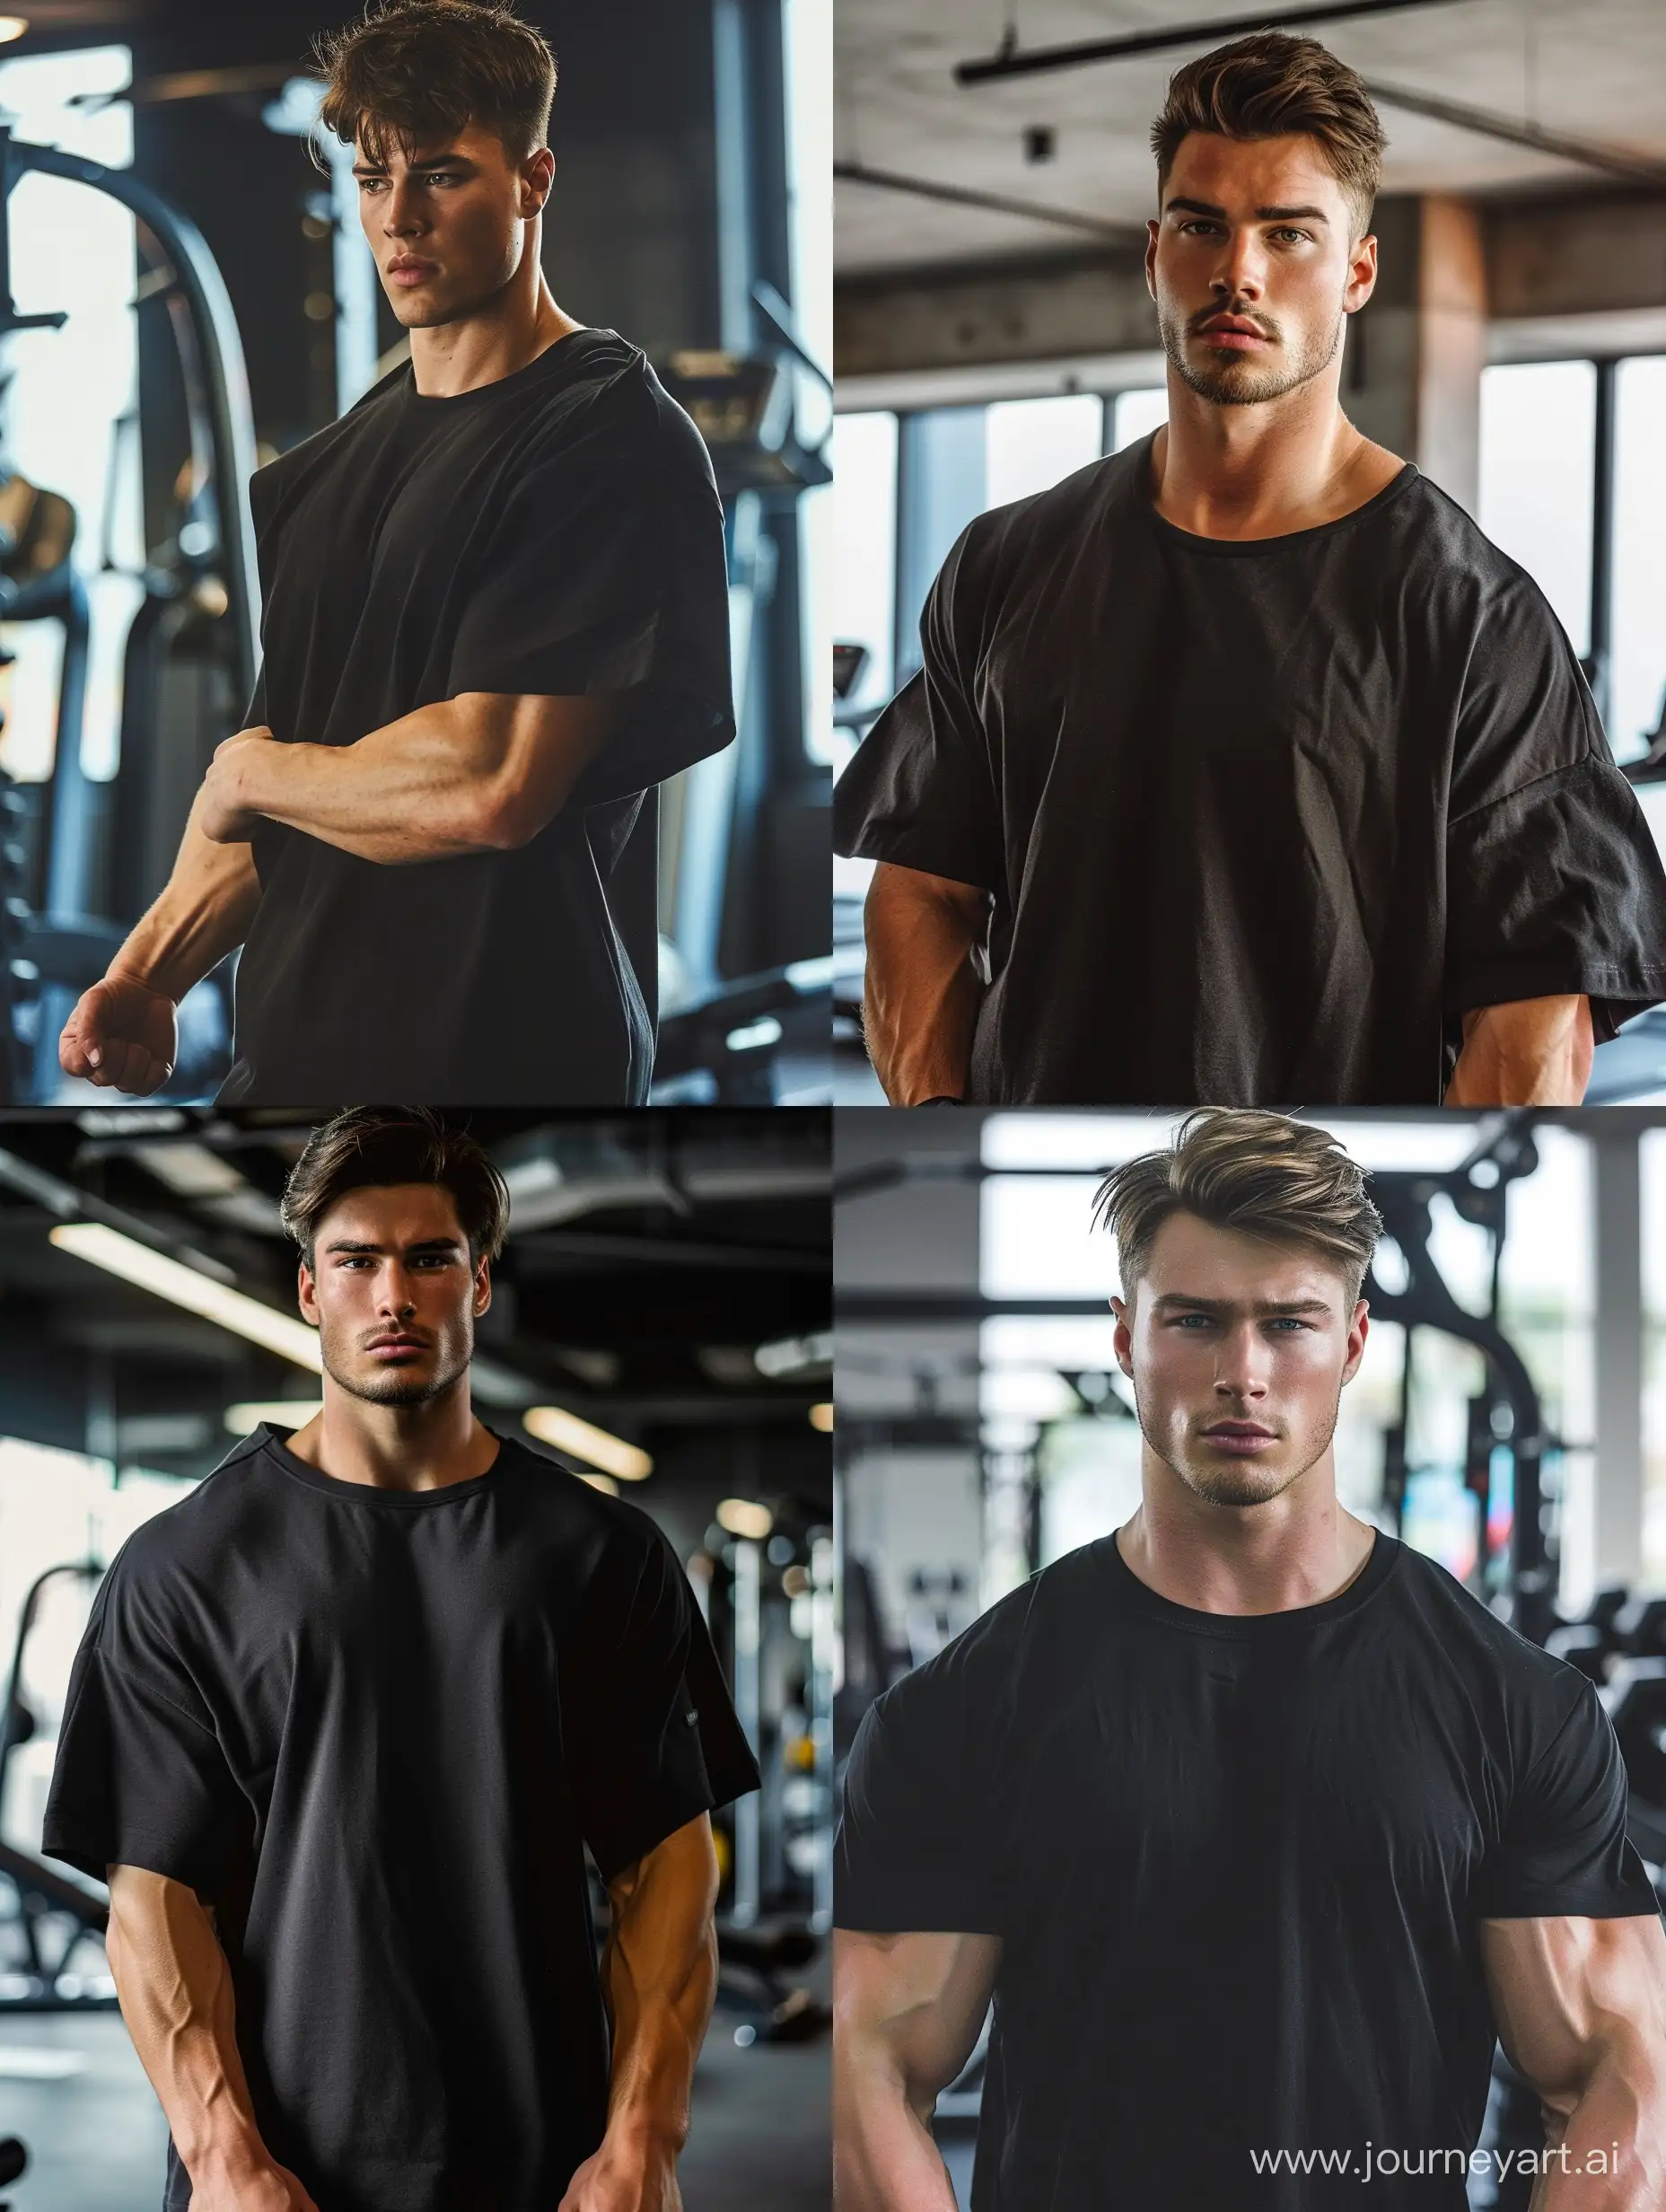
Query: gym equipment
{"points": [[722, 1048], [1635, 1697], [13, 2158], [1639, 1629], [750, 1962], [61, 924]]}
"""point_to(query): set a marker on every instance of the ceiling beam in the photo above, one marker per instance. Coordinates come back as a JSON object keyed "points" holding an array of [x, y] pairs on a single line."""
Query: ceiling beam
{"points": [[1012, 60]]}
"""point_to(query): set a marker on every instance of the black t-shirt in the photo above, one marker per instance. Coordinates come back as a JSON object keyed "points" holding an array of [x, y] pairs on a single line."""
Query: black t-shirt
{"points": [[1237, 1865], [555, 532], [1260, 819], [376, 1730]]}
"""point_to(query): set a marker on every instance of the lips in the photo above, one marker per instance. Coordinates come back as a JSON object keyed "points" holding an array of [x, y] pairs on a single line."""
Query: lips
{"points": [[411, 272], [395, 1344], [1243, 1438]]}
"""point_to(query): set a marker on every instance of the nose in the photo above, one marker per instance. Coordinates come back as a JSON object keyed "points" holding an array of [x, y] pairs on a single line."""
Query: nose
{"points": [[1240, 1369], [1240, 276], [399, 216], [395, 1294]]}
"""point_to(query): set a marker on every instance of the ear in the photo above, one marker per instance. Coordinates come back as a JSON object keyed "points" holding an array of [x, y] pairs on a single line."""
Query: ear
{"points": [[538, 175], [1359, 1329], [1122, 1343], [306, 1292], [482, 1285], [1154, 230], [1362, 275]]}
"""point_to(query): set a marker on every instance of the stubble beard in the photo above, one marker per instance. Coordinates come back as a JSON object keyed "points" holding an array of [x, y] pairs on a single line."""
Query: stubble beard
{"points": [[1238, 1486], [393, 1389], [1236, 382]]}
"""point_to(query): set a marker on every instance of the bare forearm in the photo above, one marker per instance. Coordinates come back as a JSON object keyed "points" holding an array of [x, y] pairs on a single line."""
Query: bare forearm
{"points": [[175, 1986], [203, 912], [1533, 1052], [404, 793], [884, 2159], [660, 2007], [922, 997], [1611, 2155]]}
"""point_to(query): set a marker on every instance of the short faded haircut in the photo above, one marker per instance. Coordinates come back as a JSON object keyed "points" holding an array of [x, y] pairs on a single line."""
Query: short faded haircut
{"points": [[378, 1147], [1270, 85], [414, 70], [1263, 1175]]}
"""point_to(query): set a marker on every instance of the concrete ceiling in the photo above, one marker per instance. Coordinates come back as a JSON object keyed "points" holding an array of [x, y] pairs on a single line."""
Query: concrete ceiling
{"points": [[1591, 68]]}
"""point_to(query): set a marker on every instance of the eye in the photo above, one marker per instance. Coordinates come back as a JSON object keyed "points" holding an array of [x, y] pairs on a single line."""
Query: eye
{"points": [[1293, 233]]}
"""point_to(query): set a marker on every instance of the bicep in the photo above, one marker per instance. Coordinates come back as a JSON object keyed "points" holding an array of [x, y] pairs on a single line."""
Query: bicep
{"points": [[1564, 1988], [916, 2000], [898, 894], [535, 748]]}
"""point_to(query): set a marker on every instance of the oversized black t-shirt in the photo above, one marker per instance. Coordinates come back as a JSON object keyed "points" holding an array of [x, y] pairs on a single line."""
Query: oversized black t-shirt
{"points": [[555, 532], [1237, 1865], [376, 1730], [1260, 819]]}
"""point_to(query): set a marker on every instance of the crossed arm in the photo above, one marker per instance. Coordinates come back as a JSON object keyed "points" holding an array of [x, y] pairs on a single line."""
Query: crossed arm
{"points": [[659, 1976], [923, 994], [1580, 2006], [484, 772]]}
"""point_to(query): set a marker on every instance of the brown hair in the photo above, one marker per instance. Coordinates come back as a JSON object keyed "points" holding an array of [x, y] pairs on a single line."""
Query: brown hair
{"points": [[415, 69], [1270, 83], [369, 1147], [1261, 1175]]}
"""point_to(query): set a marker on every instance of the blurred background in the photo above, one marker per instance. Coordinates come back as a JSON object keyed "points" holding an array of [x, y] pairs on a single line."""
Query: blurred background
{"points": [[184, 294], [993, 331], [660, 1325], [1509, 1418]]}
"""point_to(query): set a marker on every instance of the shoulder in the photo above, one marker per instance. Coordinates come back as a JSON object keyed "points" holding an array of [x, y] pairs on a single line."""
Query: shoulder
{"points": [[368, 417], [1014, 546], [1442, 547], [994, 1665], [605, 405], [1472, 1639], [613, 1536]]}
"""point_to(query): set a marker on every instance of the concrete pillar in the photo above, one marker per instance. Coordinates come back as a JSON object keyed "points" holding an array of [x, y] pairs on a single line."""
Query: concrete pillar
{"points": [[1617, 1536], [1412, 380]]}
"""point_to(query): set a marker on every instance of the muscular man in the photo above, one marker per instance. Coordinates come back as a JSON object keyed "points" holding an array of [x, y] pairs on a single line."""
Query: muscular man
{"points": [[343, 1725], [1254, 1823], [495, 613], [1241, 768]]}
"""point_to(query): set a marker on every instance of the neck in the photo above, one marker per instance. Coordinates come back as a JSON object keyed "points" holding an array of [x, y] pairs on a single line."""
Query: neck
{"points": [[420, 1447], [1298, 1548], [1263, 471], [517, 323]]}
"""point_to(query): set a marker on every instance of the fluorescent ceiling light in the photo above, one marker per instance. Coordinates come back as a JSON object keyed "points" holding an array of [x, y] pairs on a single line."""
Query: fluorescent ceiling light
{"points": [[285, 1334], [788, 1357], [11, 27], [744, 1516], [554, 1425], [243, 1419], [821, 1418]]}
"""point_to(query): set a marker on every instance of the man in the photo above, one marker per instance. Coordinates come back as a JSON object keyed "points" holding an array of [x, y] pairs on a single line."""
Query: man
{"points": [[1254, 1823], [495, 613], [1242, 769], [342, 1726]]}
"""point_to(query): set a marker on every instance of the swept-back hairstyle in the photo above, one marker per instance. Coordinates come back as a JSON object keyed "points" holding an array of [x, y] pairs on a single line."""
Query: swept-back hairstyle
{"points": [[1267, 85], [370, 1147], [414, 69], [1262, 1174]]}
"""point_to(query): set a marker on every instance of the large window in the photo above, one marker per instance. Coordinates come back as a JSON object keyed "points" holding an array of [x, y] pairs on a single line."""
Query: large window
{"points": [[1538, 426], [1638, 684]]}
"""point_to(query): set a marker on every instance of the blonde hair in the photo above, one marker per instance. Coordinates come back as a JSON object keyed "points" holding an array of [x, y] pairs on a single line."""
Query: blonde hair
{"points": [[1261, 1175]]}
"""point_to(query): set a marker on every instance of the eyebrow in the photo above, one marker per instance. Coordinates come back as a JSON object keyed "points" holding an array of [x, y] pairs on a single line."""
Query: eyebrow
{"points": [[429, 1244], [431, 161], [1262, 1308], [1263, 214]]}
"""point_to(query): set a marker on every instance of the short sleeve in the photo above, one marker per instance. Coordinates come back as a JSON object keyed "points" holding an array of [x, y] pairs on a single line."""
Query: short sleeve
{"points": [[920, 792], [140, 1777], [1563, 1848], [650, 1733], [916, 1846], [605, 573], [1553, 883]]}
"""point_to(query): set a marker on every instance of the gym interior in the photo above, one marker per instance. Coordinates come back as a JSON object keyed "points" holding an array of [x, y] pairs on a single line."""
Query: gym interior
{"points": [[993, 331], [185, 293], [1509, 1418], [660, 1324]]}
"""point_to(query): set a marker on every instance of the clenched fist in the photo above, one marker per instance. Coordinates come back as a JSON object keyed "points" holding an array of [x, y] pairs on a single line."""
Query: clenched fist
{"points": [[123, 1036]]}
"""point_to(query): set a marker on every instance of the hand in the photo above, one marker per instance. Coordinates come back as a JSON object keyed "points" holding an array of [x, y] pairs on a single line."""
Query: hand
{"points": [[224, 813], [123, 1036], [265, 2187], [637, 2176]]}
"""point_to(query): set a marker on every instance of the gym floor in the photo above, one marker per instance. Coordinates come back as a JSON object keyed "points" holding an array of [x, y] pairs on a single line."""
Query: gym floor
{"points": [[72, 2088]]}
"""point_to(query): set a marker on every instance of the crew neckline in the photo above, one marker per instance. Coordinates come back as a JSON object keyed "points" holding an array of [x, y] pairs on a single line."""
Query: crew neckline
{"points": [[271, 1440], [529, 371], [1245, 1627], [1194, 541]]}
